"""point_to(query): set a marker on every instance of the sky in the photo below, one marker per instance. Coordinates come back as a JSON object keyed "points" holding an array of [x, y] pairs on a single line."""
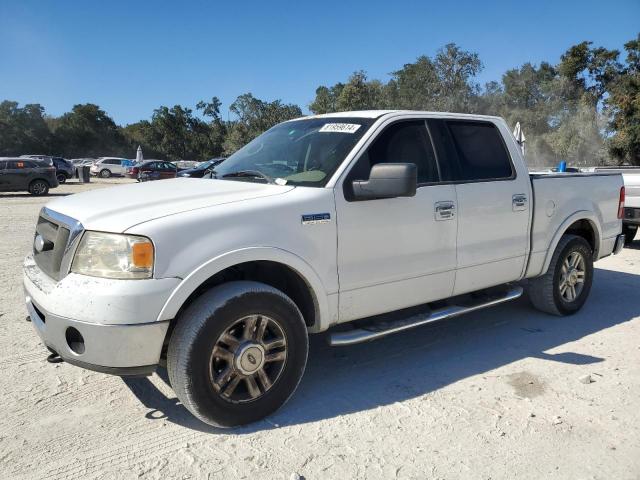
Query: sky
{"points": [[130, 57]]}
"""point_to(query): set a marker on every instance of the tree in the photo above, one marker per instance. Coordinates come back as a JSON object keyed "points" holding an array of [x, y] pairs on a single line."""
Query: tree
{"points": [[255, 116], [359, 94], [87, 131], [623, 105], [326, 100], [23, 129], [456, 70]]}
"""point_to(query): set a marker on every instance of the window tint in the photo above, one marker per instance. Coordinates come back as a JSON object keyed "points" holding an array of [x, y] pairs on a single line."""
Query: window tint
{"points": [[3, 165], [402, 142], [20, 164], [481, 152]]}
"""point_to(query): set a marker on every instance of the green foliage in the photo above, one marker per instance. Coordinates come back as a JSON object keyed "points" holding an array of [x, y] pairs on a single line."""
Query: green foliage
{"points": [[585, 110], [623, 105], [254, 117], [23, 129], [87, 131]]}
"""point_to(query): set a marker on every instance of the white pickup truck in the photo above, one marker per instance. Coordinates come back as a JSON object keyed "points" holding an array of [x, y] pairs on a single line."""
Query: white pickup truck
{"points": [[631, 178], [320, 221]]}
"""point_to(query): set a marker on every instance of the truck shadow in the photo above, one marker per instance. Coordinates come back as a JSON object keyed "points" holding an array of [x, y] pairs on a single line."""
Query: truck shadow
{"points": [[344, 380]]}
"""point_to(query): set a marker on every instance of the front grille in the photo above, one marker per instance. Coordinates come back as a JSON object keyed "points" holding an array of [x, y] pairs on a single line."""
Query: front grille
{"points": [[57, 236]]}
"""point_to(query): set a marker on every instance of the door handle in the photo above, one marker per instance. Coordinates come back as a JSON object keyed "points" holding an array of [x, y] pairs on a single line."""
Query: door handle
{"points": [[519, 202], [445, 210]]}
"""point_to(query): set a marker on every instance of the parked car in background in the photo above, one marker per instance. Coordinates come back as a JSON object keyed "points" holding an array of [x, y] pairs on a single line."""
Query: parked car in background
{"points": [[64, 168], [27, 174], [631, 178], [199, 170], [152, 170], [106, 167], [82, 161]]}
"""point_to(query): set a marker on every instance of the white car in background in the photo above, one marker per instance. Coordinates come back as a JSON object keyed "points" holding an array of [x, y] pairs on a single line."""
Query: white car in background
{"points": [[106, 167]]}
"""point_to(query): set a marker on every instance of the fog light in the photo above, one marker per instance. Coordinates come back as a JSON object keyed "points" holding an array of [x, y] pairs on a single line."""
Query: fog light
{"points": [[75, 340]]}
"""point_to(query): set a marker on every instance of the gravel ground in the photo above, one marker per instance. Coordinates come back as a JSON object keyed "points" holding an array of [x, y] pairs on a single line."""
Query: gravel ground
{"points": [[500, 393]]}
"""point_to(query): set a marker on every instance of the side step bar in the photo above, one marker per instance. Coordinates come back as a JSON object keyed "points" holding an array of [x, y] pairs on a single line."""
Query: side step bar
{"points": [[381, 329]]}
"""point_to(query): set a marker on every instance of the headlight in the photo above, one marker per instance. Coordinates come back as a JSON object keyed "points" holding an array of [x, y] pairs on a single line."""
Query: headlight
{"points": [[112, 255]]}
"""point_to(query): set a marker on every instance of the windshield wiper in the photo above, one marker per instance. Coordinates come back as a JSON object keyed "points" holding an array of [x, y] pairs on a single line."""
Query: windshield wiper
{"points": [[249, 174]]}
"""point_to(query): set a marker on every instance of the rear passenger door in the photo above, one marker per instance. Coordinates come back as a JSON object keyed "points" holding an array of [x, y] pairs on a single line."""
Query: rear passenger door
{"points": [[18, 174], [493, 203]]}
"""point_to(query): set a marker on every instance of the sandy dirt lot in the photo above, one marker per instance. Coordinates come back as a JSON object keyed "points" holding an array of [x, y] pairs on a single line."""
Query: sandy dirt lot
{"points": [[491, 395]]}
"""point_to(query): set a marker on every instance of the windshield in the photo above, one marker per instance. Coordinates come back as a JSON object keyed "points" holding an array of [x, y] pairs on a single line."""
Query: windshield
{"points": [[301, 152]]}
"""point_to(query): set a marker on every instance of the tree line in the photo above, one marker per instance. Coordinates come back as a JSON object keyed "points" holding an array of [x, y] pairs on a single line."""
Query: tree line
{"points": [[585, 110]]}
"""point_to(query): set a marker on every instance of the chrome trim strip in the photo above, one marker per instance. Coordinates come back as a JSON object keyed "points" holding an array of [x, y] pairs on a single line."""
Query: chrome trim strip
{"points": [[360, 335], [75, 233]]}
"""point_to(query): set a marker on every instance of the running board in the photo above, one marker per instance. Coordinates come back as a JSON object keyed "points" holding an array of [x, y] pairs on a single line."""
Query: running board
{"points": [[381, 329]]}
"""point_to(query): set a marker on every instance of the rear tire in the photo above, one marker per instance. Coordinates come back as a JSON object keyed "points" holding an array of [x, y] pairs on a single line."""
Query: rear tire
{"points": [[629, 233], [237, 353], [105, 173], [61, 177], [38, 188], [565, 287]]}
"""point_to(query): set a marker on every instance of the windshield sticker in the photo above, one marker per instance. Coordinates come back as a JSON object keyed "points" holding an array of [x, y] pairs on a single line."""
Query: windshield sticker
{"points": [[340, 127]]}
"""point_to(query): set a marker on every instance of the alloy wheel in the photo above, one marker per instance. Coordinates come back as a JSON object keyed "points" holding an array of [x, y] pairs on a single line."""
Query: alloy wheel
{"points": [[248, 358], [572, 279]]}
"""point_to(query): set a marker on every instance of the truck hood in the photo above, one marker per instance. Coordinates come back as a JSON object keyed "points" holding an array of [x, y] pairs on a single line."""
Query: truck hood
{"points": [[118, 208]]}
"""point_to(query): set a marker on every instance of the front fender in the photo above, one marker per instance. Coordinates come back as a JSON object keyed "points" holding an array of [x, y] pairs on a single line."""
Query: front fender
{"points": [[273, 254]]}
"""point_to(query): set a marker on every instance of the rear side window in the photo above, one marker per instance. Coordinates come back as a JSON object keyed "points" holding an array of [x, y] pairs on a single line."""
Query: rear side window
{"points": [[481, 152], [20, 164]]}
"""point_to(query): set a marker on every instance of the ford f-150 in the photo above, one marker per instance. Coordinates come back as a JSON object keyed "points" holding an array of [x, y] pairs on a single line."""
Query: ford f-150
{"points": [[392, 218]]}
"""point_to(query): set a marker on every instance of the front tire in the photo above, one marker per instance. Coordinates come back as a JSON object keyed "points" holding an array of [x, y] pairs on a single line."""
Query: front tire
{"points": [[564, 289], [61, 177], [105, 173], [237, 353], [629, 233]]}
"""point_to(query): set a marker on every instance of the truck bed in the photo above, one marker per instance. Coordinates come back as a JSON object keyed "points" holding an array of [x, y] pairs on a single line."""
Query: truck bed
{"points": [[558, 196]]}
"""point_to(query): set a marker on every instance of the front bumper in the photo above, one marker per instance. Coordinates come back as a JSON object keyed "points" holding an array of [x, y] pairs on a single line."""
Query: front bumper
{"points": [[116, 319], [115, 349]]}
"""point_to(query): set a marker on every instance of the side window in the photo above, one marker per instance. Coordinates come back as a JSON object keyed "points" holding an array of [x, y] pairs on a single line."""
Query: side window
{"points": [[3, 165], [402, 142], [16, 164], [481, 152]]}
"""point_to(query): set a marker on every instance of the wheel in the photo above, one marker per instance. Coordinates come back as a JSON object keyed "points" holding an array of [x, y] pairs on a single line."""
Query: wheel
{"points": [[38, 187], [629, 233], [61, 177], [237, 353], [567, 283], [105, 173]]}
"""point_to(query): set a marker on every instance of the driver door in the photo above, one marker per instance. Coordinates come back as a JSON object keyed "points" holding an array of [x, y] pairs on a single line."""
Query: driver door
{"points": [[398, 252]]}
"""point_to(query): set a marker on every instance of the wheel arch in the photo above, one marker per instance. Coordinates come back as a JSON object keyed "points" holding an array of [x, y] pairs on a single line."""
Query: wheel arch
{"points": [[584, 224], [280, 269]]}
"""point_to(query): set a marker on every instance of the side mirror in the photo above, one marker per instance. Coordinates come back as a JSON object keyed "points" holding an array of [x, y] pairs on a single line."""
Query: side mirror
{"points": [[387, 180]]}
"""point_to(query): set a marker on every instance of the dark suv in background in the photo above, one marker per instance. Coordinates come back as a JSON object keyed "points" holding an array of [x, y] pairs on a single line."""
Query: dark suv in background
{"points": [[64, 168], [27, 174]]}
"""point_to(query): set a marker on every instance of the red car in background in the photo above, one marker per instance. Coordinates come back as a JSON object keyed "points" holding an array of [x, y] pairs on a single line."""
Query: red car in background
{"points": [[152, 170]]}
